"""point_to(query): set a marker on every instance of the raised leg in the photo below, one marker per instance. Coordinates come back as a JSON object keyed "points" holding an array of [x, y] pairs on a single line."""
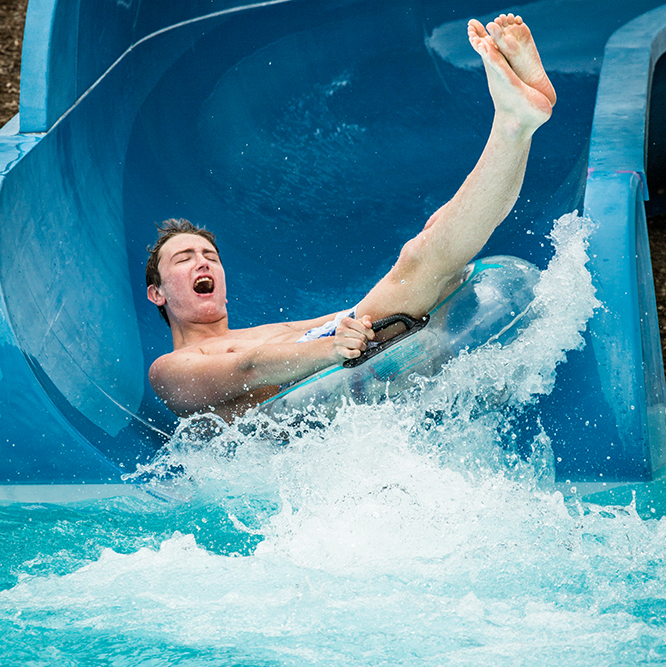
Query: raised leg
{"points": [[431, 264]]}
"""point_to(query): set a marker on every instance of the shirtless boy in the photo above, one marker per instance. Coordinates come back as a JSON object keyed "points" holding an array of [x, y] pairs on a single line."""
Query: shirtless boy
{"points": [[214, 367]]}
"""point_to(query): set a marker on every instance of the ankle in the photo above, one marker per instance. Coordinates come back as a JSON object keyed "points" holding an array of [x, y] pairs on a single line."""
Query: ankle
{"points": [[513, 128]]}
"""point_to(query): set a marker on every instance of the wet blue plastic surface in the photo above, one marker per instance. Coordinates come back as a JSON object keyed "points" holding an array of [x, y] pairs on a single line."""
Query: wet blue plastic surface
{"points": [[295, 130], [625, 337]]}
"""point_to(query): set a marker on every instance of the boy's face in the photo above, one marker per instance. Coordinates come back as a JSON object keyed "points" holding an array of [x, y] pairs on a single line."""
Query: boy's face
{"points": [[193, 287]]}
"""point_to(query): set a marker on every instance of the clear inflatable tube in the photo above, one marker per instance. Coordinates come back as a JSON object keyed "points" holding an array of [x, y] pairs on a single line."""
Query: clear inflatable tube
{"points": [[493, 304]]}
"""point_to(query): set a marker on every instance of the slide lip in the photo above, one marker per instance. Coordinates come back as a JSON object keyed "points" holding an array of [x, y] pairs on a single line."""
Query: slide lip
{"points": [[627, 327]]}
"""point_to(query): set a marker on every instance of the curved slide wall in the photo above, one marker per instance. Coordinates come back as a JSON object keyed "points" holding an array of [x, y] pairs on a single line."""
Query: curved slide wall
{"points": [[314, 139]]}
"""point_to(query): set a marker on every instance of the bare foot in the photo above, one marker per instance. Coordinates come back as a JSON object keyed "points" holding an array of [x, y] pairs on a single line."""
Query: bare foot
{"points": [[516, 44], [518, 104]]}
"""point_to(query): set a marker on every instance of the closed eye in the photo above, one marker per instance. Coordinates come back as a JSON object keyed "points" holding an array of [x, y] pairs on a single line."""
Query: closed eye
{"points": [[186, 255]]}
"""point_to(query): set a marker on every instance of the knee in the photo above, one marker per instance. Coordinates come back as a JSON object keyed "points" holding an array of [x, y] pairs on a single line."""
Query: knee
{"points": [[411, 254]]}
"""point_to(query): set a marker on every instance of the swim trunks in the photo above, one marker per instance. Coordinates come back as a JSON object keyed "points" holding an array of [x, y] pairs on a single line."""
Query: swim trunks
{"points": [[328, 328]]}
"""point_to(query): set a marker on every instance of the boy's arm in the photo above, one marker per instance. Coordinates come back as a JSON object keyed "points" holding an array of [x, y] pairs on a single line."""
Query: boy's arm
{"points": [[189, 381]]}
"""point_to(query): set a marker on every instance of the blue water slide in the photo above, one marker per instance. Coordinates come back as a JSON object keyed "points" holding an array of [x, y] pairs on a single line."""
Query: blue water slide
{"points": [[313, 138], [625, 333]]}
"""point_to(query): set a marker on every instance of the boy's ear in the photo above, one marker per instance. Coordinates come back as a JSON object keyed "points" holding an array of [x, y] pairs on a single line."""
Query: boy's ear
{"points": [[155, 295]]}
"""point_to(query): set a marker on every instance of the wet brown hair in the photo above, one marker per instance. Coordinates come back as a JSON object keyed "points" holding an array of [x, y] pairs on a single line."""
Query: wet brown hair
{"points": [[167, 230]]}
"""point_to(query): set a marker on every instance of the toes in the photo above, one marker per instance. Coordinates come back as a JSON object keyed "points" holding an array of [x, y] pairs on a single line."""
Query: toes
{"points": [[507, 20], [495, 31], [479, 45], [484, 46], [473, 37], [477, 27]]}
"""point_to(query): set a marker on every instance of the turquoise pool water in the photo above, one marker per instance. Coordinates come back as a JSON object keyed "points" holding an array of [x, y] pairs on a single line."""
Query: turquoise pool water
{"points": [[412, 533]]}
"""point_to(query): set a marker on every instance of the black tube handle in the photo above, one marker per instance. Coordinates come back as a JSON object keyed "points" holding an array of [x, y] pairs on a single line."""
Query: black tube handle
{"points": [[385, 322], [412, 324]]}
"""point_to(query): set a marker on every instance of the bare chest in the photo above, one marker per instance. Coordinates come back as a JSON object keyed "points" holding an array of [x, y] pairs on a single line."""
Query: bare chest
{"points": [[242, 340]]}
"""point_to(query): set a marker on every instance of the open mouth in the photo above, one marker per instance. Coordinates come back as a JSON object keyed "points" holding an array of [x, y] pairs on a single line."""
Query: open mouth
{"points": [[204, 285]]}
